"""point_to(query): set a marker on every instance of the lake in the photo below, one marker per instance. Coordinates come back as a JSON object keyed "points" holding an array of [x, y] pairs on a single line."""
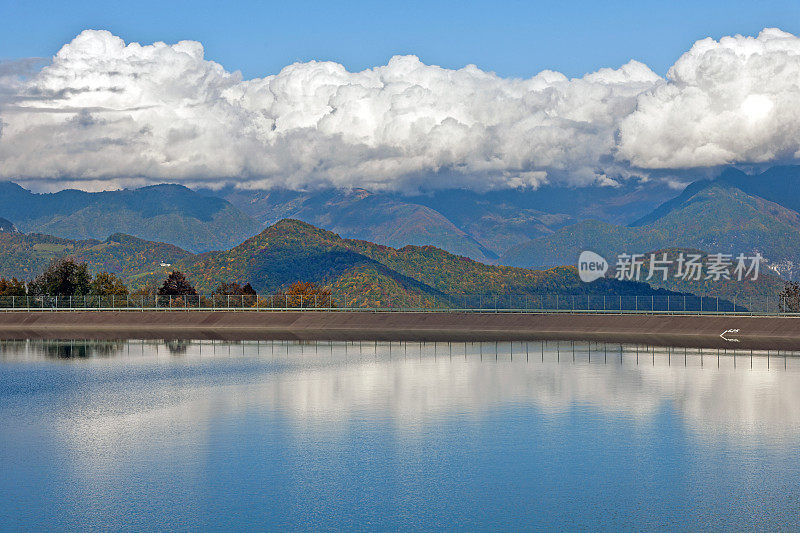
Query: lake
{"points": [[146, 435]]}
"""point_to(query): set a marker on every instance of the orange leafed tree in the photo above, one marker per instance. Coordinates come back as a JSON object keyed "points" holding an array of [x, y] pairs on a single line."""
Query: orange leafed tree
{"points": [[304, 294]]}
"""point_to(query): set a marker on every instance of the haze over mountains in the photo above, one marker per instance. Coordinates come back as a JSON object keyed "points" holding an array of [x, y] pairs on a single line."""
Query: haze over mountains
{"points": [[502, 170]]}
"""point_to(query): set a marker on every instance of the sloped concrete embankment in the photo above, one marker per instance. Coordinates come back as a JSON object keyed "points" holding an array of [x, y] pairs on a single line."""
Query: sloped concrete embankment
{"points": [[674, 330]]}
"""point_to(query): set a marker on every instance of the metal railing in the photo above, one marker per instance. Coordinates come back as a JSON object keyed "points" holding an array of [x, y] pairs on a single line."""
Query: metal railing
{"points": [[473, 302]]}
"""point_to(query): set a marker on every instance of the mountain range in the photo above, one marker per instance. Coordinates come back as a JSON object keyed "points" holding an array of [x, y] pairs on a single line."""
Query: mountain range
{"points": [[168, 213], [292, 250], [535, 229], [735, 213], [481, 226]]}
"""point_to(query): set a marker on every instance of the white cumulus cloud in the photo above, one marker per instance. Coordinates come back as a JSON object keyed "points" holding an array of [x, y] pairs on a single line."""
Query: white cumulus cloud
{"points": [[732, 101], [104, 113]]}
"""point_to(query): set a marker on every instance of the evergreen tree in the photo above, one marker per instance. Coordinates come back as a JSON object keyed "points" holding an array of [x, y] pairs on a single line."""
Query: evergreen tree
{"points": [[176, 284]]}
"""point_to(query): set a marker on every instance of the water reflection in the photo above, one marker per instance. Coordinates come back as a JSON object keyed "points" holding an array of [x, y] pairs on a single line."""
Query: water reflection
{"points": [[743, 394], [61, 349]]}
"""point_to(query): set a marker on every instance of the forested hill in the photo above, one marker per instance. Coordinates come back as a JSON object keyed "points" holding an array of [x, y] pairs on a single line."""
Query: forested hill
{"points": [[290, 251], [133, 259]]}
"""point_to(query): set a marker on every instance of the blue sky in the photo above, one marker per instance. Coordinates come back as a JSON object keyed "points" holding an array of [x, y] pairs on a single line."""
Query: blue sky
{"points": [[511, 38]]}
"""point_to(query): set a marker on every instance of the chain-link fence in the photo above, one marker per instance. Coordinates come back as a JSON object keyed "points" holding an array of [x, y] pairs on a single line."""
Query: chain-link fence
{"points": [[424, 302]]}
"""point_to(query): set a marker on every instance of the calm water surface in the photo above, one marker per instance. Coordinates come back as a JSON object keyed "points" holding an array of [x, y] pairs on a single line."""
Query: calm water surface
{"points": [[363, 436]]}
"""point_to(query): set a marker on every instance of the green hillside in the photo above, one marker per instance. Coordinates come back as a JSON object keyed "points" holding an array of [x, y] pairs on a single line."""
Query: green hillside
{"points": [[131, 258], [291, 250], [25, 256], [717, 218]]}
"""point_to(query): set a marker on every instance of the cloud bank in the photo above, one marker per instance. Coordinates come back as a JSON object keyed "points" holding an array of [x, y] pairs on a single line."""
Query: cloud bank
{"points": [[104, 114]]}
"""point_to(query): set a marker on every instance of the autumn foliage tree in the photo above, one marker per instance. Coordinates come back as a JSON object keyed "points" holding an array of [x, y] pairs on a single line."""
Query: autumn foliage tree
{"points": [[304, 294], [105, 284], [12, 287]]}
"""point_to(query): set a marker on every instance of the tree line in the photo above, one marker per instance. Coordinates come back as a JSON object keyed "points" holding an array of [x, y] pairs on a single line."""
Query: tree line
{"points": [[67, 277]]}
